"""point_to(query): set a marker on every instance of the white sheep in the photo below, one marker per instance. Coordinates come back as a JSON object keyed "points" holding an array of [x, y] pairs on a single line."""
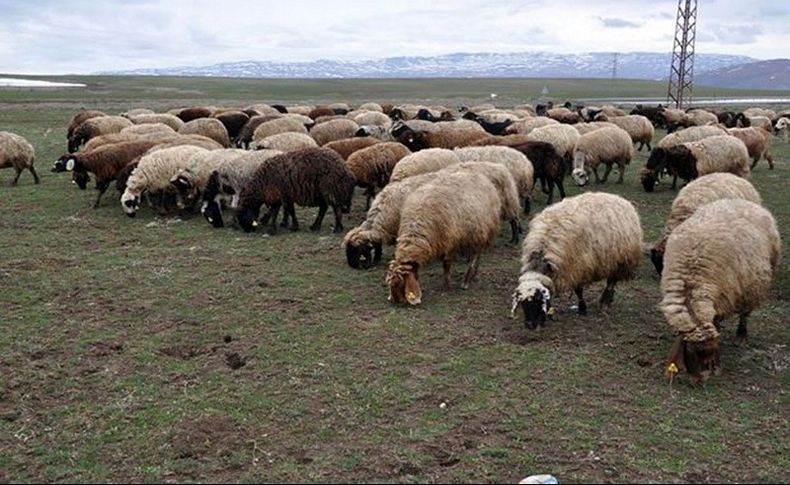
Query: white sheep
{"points": [[16, 152], [575, 242], [608, 146], [719, 262]]}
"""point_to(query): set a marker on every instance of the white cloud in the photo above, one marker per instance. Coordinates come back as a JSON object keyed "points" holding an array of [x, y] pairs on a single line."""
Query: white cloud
{"points": [[82, 36]]}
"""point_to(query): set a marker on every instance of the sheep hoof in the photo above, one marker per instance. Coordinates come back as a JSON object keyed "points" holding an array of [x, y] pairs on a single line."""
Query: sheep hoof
{"points": [[315, 228], [337, 230]]}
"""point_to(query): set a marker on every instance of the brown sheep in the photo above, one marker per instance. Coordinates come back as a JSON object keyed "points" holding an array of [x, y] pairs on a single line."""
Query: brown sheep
{"points": [[208, 127], [373, 166], [100, 125], [80, 118], [189, 114], [309, 177], [347, 146], [234, 121]]}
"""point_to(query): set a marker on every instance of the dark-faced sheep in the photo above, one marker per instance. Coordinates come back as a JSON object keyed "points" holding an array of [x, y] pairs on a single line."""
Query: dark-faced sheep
{"points": [[79, 118], [719, 262], [309, 177], [233, 121], [583, 239]]}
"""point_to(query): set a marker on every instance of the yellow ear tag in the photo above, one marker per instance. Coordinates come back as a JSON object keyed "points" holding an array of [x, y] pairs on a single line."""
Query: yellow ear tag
{"points": [[411, 295], [550, 312], [672, 368]]}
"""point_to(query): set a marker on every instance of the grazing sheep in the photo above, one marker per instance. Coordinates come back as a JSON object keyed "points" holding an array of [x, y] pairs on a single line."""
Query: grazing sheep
{"points": [[375, 118], [16, 152], [501, 177], [443, 137], [347, 146], [267, 110], [244, 138], [606, 146], [300, 109], [363, 243], [563, 115], [153, 175], [525, 127], [563, 137], [277, 126], [767, 113], [695, 133], [100, 125], [208, 127], [506, 140], [333, 130], [548, 166], [722, 153], [227, 181], [320, 111], [700, 117], [719, 262], [456, 214], [324, 119], [144, 129], [639, 128], [380, 133], [233, 121], [285, 142], [761, 122], [190, 182], [782, 127], [516, 162], [166, 119], [423, 161], [199, 141], [80, 118], [372, 166], [104, 162], [758, 142], [581, 240], [584, 127], [137, 112], [371, 107], [120, 137], [189, 114], [704, 190], [673, 118], [309, 177], [305, 120]]}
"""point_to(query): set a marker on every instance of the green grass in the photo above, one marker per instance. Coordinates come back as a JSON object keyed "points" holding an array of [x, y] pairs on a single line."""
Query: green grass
{"points": [[113, 353]]}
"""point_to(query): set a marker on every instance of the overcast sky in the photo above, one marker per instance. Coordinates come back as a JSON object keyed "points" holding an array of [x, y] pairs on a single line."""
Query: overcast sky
{"points": [[84, 36]]}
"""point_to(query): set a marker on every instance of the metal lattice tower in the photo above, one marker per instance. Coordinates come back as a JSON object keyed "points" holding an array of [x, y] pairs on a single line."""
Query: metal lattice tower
{"points": [[615, 55], [681, 75]]}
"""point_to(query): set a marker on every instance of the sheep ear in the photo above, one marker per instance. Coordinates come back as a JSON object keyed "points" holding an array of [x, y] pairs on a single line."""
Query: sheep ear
{"points": [[70, 165]]}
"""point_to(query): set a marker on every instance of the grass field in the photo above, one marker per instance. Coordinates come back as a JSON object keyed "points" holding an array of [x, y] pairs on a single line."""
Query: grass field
{"points": [[122, 339]]}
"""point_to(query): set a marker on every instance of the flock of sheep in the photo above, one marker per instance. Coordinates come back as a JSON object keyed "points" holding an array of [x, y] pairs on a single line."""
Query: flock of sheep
{"points": [[446, 180]]}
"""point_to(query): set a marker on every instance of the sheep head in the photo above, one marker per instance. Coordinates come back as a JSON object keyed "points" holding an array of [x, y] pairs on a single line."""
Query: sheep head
{"points": [[657, 257], [579, 174], [699, 358], [247, 217], [64, 164], [681, 161], [404, 283], [533, 294], [130, 202], [362, 249]]}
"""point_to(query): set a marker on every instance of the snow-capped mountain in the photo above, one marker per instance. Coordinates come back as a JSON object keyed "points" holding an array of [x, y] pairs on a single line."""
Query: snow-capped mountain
{"points": [[632, 65]]}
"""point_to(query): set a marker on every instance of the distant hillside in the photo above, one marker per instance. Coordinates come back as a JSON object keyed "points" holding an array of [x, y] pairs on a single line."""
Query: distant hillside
{"points": [[771, 74], [630, 65]]}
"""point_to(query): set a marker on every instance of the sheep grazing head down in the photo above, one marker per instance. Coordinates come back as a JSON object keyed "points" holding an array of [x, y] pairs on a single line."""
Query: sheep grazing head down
{"points": [[248, 218], [700, 358], [130, 203], [361, 251], [579, 174], [657, 257], [535, 300], [404, 283]]}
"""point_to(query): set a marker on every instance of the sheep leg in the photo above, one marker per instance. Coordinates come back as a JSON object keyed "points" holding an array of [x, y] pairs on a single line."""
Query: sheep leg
{"points": [[514, 230], [291, 210], [544, 185], [608, 293], [447, 265], [621, 167], [559, 186], [370, 192], [101, 187], [471, 272], [322, 208], [550, 192], [273, 211], [674, 181], [768, 156], [742, 334], [527, 205], [37, 180], [597, 178], [18, 173], [754, 162], [338, 219], [649, 149], [582, 310]]}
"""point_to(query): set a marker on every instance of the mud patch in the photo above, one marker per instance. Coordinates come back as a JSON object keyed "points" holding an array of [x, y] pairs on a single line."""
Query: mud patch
{"points": [[104, 349], [182, 351], [235, 361]]}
